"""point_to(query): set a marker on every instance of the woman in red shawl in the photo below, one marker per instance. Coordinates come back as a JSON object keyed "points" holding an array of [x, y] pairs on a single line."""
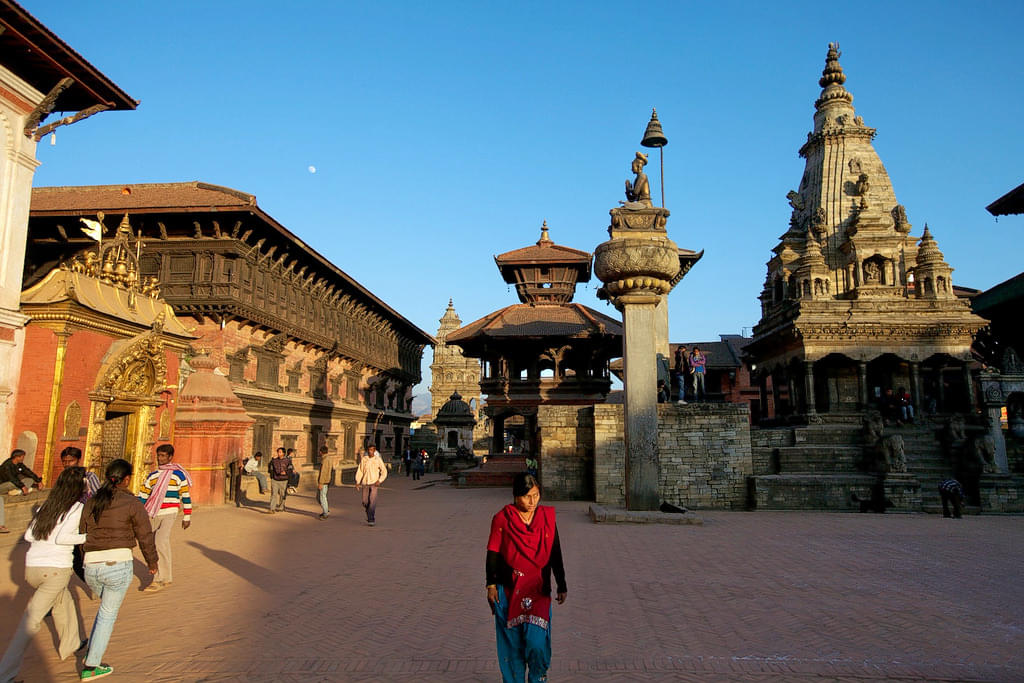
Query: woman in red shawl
{"points": [[522, 551]]}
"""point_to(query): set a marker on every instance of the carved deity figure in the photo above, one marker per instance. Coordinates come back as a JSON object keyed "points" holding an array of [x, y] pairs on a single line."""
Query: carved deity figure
{"points": [[873, 425], [956, 428], [863, 185], [816, 226], [795, 200], [872, 273], [895, 455], [638, 192], [899, 218]]}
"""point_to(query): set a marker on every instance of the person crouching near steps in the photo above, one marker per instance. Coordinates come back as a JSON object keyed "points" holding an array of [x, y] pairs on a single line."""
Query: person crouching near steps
{"points": [[113, 521], [166, 491], [370, 475]]}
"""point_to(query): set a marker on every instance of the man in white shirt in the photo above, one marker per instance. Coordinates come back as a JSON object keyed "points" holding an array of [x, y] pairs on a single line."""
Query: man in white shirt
{"points": [[370, 475], [254, 468]]}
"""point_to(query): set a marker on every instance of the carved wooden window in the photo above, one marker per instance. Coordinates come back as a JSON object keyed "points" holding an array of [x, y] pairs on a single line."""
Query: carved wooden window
{"points": [[72, 421], [294, 375], [149, 265], [335, 387], [205, 268], [227, 269], [352, 388], [236, 366], [288, 440], [318, 383], [268, 370], [181, 267]]}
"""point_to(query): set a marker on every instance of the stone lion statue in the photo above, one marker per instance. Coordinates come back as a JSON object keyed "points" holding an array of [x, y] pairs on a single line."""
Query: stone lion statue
{"points": [[983, 447], [873, 425], [956, 428], [893, 450]]}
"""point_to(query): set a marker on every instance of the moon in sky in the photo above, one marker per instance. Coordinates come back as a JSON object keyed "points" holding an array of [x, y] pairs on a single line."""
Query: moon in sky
{"points": [[312, 169]]}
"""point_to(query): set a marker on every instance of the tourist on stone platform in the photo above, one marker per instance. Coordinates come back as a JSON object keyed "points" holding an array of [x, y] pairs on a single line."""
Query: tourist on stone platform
{"points": [[952, 494], [663, 396], [522, 551], [682, 372], [253, 467], [324, 478], [697, 362], [293, 478], [16, 476], [905, 405], [166, 491], [53, 533], [370, 475], [280, 469], [113, 521]]}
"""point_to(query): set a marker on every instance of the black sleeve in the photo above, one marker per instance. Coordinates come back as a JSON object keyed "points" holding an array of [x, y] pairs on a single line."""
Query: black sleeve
{"points": [[493, 568], [556, 564]]}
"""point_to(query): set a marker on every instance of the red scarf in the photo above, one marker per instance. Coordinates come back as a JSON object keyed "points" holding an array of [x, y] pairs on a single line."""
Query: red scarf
{"points": [[527, 550]]}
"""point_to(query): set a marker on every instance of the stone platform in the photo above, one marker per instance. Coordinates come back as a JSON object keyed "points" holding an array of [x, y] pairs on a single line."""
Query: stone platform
{"points": [[499, 470]]}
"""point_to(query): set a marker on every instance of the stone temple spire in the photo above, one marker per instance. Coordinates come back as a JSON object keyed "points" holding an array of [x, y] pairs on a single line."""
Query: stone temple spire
{"points": [[832, 79], [933, 278]]}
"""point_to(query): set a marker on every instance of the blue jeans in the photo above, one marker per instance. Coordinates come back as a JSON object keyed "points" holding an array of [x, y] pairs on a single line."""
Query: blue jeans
{"points": [[323, 499], [681, 386], [370, 501], [698, 386], [110, 581], [521, 645]]}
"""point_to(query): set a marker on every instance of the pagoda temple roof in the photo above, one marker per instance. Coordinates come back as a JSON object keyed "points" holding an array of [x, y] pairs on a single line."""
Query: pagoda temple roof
{"points": [[1010, 203], [525, 320], [35, 54], [545, 251]]}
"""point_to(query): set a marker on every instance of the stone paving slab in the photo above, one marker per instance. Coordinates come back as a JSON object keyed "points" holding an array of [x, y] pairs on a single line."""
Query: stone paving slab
{"points": [[765, 596], [608, 515]]}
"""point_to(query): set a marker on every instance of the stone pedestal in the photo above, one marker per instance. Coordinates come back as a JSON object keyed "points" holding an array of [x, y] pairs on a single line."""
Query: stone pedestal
{"points": [[209, 431]]}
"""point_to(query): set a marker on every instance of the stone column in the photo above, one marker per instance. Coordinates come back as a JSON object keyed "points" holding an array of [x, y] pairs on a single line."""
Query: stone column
{"points": [[940, 388], [992, 397], [209, 430], [862, 384], [637, 266], [497, 434], [661, 342], [809, 387]]}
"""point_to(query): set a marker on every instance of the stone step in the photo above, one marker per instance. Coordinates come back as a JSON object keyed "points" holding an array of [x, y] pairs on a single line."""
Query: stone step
{"points": [[830, 492]]}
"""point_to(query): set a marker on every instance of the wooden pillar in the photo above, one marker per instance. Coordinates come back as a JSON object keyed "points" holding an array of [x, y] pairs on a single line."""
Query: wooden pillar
{"points": [[915, 386], [969, 387], [498, 434]]}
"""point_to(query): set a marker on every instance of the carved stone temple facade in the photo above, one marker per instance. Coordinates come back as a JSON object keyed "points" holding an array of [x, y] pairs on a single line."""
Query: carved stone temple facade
{"points": [[853, 303], [314, 357]]}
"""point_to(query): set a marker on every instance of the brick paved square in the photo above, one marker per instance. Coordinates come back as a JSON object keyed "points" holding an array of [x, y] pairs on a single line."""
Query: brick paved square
{"points": [[748, 596]]}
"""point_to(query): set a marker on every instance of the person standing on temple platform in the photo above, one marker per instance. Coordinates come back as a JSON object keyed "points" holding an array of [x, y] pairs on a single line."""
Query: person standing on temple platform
{"points": [[165, 492], [280, 469], [370, 475], [682, 372], [697, 362], [324, 479], [16, 476]]}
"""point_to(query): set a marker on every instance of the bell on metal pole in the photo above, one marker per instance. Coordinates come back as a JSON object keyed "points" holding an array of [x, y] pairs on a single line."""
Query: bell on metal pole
{"points": [[654, 137]]}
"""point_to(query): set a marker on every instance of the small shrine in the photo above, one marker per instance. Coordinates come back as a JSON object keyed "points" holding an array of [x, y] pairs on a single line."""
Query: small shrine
{"points": [[545, 350], [454, 422]]}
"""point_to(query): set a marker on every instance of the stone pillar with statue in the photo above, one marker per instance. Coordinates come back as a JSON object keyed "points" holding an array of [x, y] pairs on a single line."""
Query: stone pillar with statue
{"points": [[638, 265]]}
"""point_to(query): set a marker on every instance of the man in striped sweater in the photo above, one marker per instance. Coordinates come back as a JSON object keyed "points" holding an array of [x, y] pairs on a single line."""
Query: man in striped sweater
{"points": [[166, 491]]}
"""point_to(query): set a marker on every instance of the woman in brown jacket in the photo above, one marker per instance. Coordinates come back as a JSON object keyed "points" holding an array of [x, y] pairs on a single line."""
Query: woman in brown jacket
{"points": [[113, 521]]}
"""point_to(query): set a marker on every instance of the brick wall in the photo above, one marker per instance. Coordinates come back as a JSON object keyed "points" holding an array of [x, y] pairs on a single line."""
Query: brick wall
{"points": [[567, 451]]}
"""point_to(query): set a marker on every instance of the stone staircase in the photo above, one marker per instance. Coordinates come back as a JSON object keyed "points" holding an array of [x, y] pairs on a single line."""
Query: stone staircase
{"points": [[818, 467]]}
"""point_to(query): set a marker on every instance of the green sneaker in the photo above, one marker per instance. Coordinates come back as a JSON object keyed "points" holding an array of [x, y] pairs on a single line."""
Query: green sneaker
{"points": [[96, 672]]}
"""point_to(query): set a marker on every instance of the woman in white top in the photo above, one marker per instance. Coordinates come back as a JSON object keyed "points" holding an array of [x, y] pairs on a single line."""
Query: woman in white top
{"points": [[53, 534]]}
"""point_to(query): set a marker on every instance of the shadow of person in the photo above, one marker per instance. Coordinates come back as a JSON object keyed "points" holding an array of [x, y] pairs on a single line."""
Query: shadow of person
{"points": [[13, 607], [257, 575]]}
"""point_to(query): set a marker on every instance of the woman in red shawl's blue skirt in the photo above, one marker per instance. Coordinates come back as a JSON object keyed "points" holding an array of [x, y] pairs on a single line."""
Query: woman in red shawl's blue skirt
{"points": [[522, 552]]}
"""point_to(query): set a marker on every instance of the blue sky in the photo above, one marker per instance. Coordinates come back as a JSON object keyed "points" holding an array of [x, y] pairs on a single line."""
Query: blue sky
{"points": [[443, 133]]}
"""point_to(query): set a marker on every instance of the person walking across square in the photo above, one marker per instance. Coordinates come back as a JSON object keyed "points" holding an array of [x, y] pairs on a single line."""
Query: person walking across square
{"points": [[280, 469], [324, 479], [165, 492], [370, 475]]}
